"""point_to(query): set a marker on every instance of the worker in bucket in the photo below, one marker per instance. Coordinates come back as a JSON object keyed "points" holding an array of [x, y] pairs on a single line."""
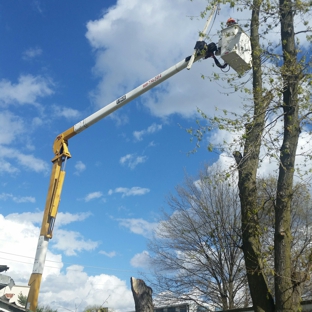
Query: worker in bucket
{"points": [[230, 22]]}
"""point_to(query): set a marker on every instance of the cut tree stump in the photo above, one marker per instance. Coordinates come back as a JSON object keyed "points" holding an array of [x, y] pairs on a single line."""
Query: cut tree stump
{"points": [[142, 295]]}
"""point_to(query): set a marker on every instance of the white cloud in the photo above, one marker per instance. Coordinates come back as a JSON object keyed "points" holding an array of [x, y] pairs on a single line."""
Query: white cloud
{"points": [[67, 112], [17, 199], [131, 160], [139, 226], [110, 254], [37, 122], [19, 253], [71, 289], [268, 165], [31, 162], [156, 24], [10, 127], [27, 161], [64, 218], [126, 158], [141, 260], [28, 89], [71, 242], [6, 167], [138, 135], [93, 195], [26, 217], [24, 199], [133, 191], [119, 118], [31, 53], [15, 129], [80, 167], [74, 290]]}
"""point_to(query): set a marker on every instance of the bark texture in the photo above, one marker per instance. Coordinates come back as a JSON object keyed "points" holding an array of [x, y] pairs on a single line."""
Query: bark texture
{"points": [[247, 166], [142, 295], [285, 292], [287, 288]]}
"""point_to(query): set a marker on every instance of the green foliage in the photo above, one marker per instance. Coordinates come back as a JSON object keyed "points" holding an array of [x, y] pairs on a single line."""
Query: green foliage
{"points": [[41, 308], [96, 308], [22, 300], [45, 308]]}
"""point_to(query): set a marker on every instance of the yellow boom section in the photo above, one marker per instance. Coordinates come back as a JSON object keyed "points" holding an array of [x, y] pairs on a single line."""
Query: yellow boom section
{"points": [[60, 150]]}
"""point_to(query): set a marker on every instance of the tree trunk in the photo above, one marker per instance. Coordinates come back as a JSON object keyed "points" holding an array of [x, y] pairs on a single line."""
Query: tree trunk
{"points": [[142, 295], [291, 73], [247, 166]]}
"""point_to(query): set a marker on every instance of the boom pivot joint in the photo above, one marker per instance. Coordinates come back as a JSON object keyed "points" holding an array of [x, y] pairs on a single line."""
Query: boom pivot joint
{"points": [[60, 146], [208, 50]]}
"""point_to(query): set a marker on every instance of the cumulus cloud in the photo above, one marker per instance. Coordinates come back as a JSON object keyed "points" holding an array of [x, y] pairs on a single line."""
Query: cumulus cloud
{"points": [[66, 112], [268, 165], [64, 218], [31, 162], [26, 91], [139, 226], [7, 167], [138, 135], [72, 242], [172, 29], [133, 191], [72, 288], [131, 160], [17, 199], [26, 217], [31, 53], [141, 260], [79, 167], [11, 126], [12, 130], [110, 254], [15, 128], [27, 161], [75, 290], [119, 118], [19, 253], [93, 195]]}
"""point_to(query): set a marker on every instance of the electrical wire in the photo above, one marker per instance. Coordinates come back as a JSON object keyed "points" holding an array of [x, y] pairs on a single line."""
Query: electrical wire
{"points": [[214, 19], [59, 262]]}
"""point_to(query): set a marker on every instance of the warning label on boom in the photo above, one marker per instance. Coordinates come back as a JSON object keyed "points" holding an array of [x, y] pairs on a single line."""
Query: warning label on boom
{"points": [[121, 99]]}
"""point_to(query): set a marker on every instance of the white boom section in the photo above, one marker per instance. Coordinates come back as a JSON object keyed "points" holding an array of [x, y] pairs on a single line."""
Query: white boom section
{"points": [[42, 248], [108, 109], [202, 35]]}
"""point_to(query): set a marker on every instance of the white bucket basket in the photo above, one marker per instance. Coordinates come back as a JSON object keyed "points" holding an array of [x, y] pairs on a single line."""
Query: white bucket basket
{"points": [[236, 48]]}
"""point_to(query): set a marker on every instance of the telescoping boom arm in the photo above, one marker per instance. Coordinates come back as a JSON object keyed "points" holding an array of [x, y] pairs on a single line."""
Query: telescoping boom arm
{"points": [[61, 154], [230, 44]]}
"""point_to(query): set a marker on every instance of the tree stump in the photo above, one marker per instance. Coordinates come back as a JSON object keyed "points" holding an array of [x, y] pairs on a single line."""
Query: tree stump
{"points": [[142, 295]]}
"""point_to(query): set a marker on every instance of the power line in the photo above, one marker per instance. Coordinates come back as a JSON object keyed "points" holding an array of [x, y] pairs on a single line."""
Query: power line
{"points": [[59, 262]]}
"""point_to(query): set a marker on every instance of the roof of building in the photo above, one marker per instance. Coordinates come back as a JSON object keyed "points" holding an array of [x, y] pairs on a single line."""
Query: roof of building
{"points": [[9, 307]]}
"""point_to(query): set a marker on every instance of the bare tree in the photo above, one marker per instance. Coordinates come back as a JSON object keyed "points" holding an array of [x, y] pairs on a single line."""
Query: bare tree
{"points": [[301, 232], [271, 122], [196, 252]]}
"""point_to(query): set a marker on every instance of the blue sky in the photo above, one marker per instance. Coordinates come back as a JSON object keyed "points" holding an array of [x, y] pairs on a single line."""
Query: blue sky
{"points": [[61, 61]]}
